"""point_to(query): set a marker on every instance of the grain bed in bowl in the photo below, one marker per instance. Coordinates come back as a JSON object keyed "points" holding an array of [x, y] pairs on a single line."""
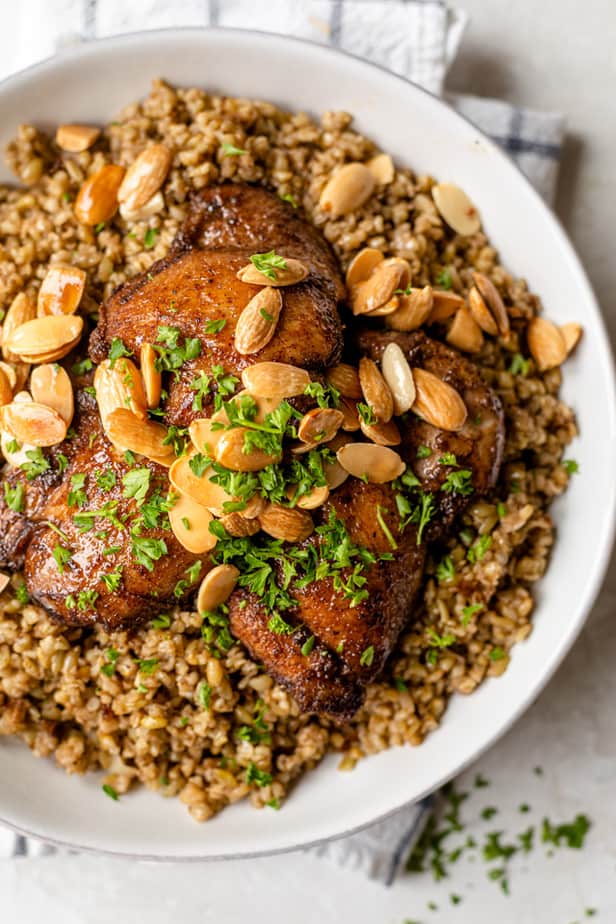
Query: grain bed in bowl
{"points": [[178, 705]]}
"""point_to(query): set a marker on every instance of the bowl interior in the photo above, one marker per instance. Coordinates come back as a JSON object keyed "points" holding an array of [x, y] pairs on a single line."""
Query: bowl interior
{"points": [[91, 84]]}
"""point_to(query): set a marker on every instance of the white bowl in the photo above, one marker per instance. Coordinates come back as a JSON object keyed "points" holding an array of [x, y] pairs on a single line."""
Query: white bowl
{"points": [[91, 83]]}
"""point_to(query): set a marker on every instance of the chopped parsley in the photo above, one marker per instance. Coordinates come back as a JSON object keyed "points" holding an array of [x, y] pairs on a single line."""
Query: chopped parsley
{"points": [[367, 414], [423, 452], [367, 656], [146, 551], [384, 527], [445, 570], [518, 365], [260, 777], [326, 395], [81, 367], [570, 466], [497, 654], [289, 198], [109, 790], [36, 465], [77, 496], [116, 350], [204, 693], [14, 497], [460, 482], [112, 580], [147, 666], [172, 354], [268, 263], [230, 150], [469, 611], [308, 646], [62, 556], [136, 484], [478, 550], [149, 239], [105, 480], [21, 594], [161, 622], [109, 667], [215, 326], [443, 279], [414, 505]]}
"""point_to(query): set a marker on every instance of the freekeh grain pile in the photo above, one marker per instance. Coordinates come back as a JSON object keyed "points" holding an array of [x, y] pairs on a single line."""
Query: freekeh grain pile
{"points": [[178, 705]]}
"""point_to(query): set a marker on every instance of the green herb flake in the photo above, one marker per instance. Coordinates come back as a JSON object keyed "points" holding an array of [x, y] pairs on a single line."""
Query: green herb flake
{"points": [[489, 812], [111, 792], [478, 550], [149, 239], [423, 452], [445, 570], [260, 777], [570, 466], [81, 367], [380, 511], [37, 463], [518, 365], [14, 497], [109, 667], [204, 693], [117, 350], [443, 279], [215, 326], [289, 198], [268, 263], [367, 656], [161, 622], [230, 150], [469, 611], [400, 685], [62, 556], [308, 646]]}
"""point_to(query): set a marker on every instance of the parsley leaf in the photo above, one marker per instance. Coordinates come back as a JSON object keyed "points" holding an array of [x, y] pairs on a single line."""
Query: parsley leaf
{"points": [[14, 497], [62, 556], [230, 150], [268, 263], [116, 350]]}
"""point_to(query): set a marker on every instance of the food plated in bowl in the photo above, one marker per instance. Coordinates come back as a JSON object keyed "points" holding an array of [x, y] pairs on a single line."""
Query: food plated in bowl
{"points": [[317, 401]]}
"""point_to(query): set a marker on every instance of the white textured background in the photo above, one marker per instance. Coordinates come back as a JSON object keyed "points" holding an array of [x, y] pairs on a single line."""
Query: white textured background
{"points": [[555, 54]]}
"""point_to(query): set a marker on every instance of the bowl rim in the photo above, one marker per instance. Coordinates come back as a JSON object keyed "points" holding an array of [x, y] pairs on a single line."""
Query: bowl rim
{"points": [[82, 49]]}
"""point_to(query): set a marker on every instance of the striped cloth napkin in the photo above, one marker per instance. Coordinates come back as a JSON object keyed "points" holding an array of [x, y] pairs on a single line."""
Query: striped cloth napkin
{"points": [[416, 38]]}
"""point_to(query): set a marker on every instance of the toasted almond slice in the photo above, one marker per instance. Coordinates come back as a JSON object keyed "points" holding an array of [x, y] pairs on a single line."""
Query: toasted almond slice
{"points": [[382, 169], [119, 386], [41, 336], [240, 526], [571, 335], [230, 452], [312, 500], [22, 372], [286, 523], [254, 507], [203, 437], [494, 302], [97, 200], [50, 385], [216, 587], [190, 523], [145, 176], [320, 425], [348, 189], [275, 380], [413, 310], [546, 344], [376, 464], [398, 376], [264, 405], [345, 379], [145, 437], [152, 207], [61, 290], [376, 390], [10, 373], [444, 306], [76, 138], [5, 580], [384, 434], [33, 423], [151, 376], [257, 323], [53, 355], [456, 208], [22, 396], [290, 274], [199, 487], [437, 402], [14, 457], [21, 310], [362, 265], [481, 313], [388, 308], [350, 415], [6, 390], [465, 333], [380, 287], [335, 474]]}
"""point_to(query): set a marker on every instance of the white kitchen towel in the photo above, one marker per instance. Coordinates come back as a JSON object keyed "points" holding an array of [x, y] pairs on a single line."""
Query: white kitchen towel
{"points": [[416, 38]]}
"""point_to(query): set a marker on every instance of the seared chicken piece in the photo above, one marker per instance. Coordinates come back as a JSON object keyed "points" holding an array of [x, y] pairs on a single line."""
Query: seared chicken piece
{"points": [[197, 283], [113, 543]]}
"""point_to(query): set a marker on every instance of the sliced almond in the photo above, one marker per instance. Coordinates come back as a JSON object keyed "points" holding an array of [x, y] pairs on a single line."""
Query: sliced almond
{"points": [[145, 437], [264, 406], [6, 390], [345, 379], [290, 274], [152, 207], [254, 507], [376, 464], [546, 344], [230, 452], [384, 434], [22, 372], [465, 333], [481, 313], [437, 402], [145, 176], [571, 333], [494, 302], [119, 386], [239, 526], [375, 389], [97, 200], [456, 208], [21, 310], [54, 335], [380, 287], [413, 310], [320, 425], [382, 169], [5, 580], [22, 396], [51, 385], [61, 290], [199, 487], [216, 587], [398, 376], [362, 265], [286, 523], [275, 380], [311, 500], [256, 324], [151, 376], [10, 374], [190, 523], [76, 138], [348, 189], [335, 474], [33, 423], [350, 415], [203, 435], [444, 306], [14, 456]]}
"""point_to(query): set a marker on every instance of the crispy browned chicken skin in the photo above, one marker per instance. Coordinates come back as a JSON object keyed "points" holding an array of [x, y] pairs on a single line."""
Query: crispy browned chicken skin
{"points": [[336, 648]]}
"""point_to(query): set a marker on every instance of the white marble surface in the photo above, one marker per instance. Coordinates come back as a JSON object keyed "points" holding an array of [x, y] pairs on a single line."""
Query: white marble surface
{"points": [[557, 54]]}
